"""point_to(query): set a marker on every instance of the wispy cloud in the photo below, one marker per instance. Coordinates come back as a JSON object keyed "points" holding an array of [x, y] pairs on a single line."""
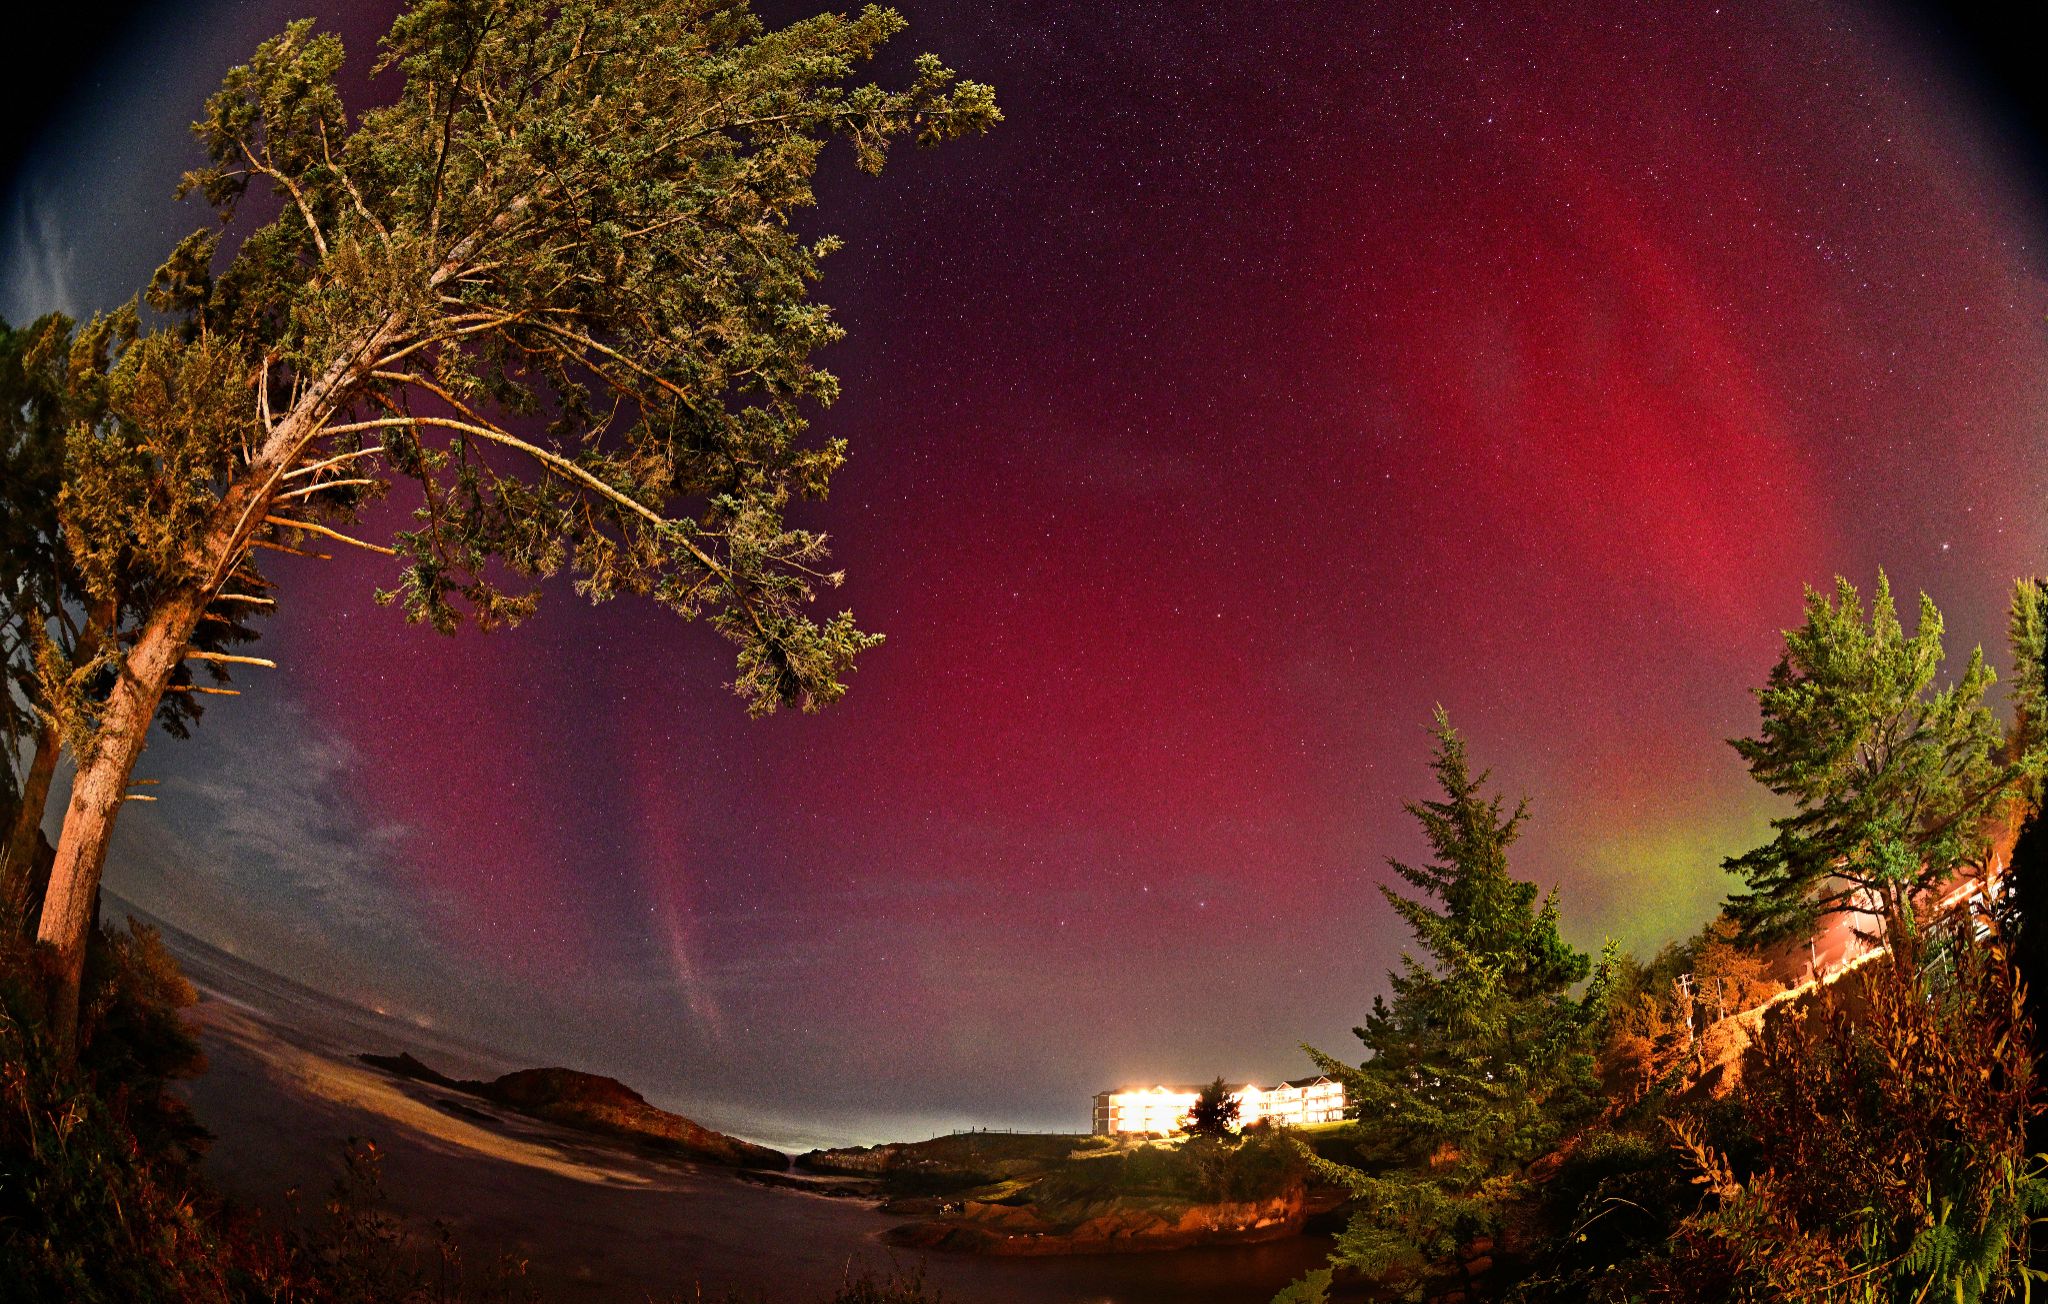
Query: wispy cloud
{"points": [[257, 844], [38, 273]]}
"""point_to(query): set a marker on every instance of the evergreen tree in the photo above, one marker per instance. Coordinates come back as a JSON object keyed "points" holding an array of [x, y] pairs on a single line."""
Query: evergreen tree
{"points": [[2027, 638], [554, 284], [1215, 1112], [1482, 1056], [60, 626], [34, 415], [2025, 904], [1896, 787]]}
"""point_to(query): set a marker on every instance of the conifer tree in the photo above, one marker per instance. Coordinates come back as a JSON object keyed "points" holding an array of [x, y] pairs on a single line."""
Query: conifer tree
{"points": [[554, 284], [1897, 786], [2027, 640], [33, 419], [1483, 1055], [60, 627], [2025, 905], [1215, 1112]]}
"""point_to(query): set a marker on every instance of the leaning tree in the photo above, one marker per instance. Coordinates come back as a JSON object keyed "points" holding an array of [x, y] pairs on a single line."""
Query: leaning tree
{"points": [[62, 626], [1897, 786], [555, 284]]}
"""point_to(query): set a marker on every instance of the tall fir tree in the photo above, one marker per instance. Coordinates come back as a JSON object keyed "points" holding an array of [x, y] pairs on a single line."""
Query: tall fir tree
{"points": [[2027, 639], [1483, 1056]]}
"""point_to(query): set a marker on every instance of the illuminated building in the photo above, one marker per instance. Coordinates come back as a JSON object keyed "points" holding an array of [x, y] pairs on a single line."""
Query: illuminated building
{"points": [[1160, 1110]]}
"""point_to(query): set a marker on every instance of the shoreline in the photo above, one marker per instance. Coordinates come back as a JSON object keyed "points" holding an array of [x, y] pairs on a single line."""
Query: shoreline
{"points": [[603, 1221]]}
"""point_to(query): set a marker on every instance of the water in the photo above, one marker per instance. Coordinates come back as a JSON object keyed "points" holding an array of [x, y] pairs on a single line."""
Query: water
{"points": [[282, 1094]]}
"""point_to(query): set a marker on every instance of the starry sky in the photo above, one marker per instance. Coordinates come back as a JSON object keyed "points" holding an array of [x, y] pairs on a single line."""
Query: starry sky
{"points": [[1274, 373]]}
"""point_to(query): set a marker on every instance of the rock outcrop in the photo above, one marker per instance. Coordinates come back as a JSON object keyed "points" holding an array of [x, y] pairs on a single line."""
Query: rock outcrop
{"points": [[855, 1161], [592, 1103], [956, 1162]]}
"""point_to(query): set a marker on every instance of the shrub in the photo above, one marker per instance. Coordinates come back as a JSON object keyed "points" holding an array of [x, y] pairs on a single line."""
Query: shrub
{"points": [[1201, 1170], [98, 1196], [893, 1288], [1614, 1203], [1881, 1153]]}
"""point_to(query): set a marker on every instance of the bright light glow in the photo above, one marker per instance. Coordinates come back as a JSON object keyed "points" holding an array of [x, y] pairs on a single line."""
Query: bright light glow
{"points": [[1164, 1110]]}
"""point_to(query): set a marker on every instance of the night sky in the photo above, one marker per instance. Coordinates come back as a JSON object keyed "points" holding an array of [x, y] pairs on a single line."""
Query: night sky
{"points": [[1274, 373]]}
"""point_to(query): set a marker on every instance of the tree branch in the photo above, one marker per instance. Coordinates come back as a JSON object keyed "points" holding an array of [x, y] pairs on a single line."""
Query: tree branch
{"points": [[230, 658], [323, 485], [319, 241], [333, 461], [311, 527]]}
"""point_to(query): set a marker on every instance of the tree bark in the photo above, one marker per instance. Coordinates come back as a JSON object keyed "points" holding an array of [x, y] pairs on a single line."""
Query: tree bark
{"points": [[17, 868], [25, 843], [97, 792]]}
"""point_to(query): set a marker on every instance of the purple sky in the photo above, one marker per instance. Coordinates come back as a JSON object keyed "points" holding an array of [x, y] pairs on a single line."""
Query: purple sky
{"points": [[1266, 379]]}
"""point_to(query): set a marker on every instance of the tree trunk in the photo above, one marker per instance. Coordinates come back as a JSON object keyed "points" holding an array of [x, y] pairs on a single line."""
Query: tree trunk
{"points": [[18, 866], [97, 792], [101, 785], [25, 843]]}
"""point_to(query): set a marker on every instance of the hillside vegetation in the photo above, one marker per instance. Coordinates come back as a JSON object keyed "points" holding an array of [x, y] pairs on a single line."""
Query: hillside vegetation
{"points": [[1723, 1123]]}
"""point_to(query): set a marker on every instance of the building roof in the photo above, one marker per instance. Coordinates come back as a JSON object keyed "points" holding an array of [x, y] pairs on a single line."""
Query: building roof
{"points": [[1168, 1088], [1198, 1088]]}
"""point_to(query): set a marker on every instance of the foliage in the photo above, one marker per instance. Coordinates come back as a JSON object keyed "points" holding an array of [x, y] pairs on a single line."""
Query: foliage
{"points": [[100, 1194], [1214, 1113], [1613, 1209], [868, 1287], [2027, 637], [1669, 1023], [1312, 1288], [1200, 1170], [61, 621], [98, 1199], [33, 418], [1483, 1056], [2024, 907], [67, 591], [359, 1251], [555, 284], [1888, 1138], [1877, 1147], [1895, 785], [1875, 1153]]}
